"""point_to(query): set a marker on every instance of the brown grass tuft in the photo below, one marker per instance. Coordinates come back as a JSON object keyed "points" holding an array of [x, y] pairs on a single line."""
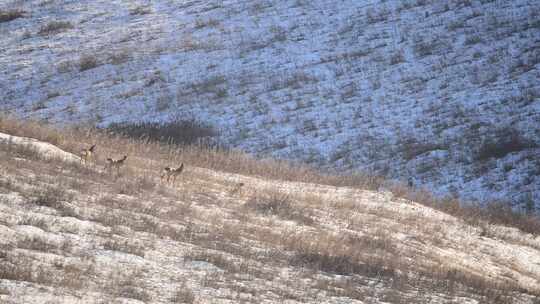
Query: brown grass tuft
{"points": [[54, 27], [183, 294], [280, 205], [9, 15]]}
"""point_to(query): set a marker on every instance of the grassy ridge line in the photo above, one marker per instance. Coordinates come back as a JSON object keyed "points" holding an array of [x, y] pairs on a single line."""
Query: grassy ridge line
{"points": [[154, 155]]}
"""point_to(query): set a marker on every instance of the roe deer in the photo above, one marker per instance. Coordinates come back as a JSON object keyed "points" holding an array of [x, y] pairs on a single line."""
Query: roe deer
{"points": [[116, 163], [87, 154], [172, 172]]}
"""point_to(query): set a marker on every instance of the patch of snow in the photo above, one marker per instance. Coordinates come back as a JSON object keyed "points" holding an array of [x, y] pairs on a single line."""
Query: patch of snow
{"points": [[46, 150]]}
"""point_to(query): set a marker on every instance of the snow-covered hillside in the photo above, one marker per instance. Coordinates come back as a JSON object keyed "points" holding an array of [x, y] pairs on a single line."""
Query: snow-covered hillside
{"points": [[445, 92], [73, 233]]}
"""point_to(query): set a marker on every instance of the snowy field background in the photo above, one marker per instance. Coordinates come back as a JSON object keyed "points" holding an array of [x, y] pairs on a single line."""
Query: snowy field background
{"points": [[445, 92]]}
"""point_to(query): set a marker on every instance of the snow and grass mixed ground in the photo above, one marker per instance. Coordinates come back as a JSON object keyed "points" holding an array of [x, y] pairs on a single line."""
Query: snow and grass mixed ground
{"points": [[234, 229], [445, 92]]}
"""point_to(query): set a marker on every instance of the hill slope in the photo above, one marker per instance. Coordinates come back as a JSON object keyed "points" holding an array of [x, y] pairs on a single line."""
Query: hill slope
{"points": [[445, 92], [79, 233]]}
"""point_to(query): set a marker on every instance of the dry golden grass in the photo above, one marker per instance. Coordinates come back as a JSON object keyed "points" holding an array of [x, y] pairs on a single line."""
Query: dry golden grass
{"points": [[255, 230], [149, 155], [144, 156], [492, 213], [9, 15]]}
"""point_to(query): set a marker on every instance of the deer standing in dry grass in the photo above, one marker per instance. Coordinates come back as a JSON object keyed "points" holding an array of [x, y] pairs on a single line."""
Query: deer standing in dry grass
{"points": [[116, 163], [87, 154], [172, 172]]}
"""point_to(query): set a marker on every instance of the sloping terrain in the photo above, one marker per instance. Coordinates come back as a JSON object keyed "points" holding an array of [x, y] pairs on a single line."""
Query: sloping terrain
{"points": [[81, 233], [443, 92]]}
